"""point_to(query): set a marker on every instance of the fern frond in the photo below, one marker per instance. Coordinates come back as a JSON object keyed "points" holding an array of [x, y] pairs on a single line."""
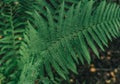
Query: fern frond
{"points": [[13, 20], [63, 37], [9, 45]]}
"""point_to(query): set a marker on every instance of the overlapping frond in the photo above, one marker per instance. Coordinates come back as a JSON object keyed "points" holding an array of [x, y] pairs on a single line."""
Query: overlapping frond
{"points": [[43, 40], [61, 39], [13, 20]]}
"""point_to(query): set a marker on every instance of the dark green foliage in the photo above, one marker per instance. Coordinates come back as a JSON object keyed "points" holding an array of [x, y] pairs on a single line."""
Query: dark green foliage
{"points": [[43, 40], [13, 20]]}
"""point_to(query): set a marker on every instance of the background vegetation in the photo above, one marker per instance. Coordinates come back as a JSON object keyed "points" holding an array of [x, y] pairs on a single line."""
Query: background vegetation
{"points": [[59, 41]]}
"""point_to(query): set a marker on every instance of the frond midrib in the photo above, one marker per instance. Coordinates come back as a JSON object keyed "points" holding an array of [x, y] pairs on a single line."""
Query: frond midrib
{"points": [[75, 33]]}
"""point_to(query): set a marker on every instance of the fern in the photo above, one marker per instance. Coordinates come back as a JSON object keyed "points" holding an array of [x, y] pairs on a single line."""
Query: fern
{"points": [[61, 39], [44, 40], [12, 26]]}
